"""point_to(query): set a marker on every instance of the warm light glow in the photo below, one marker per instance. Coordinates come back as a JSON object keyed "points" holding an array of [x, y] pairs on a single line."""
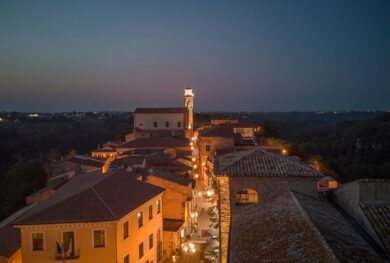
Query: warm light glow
{"points": [[199, 194], [192, 148], [189, 127], [193, 159], [284, 151], [196, 175], [188, 92], [1, 119], [191, 143], [195, 166]]}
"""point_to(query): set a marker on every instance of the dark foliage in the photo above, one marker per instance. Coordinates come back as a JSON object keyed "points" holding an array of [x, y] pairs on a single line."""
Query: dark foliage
{"points": [[29, 145]]}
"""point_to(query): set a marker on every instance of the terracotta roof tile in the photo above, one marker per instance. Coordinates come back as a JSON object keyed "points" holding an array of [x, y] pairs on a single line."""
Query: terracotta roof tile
{"points": [[167, 142], [261, 163], [378, 213], [338, 230], [92, 197], [217, 131]]}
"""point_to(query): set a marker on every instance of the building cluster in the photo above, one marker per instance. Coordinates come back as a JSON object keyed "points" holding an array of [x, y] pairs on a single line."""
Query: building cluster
{"points": [[137, 201]]}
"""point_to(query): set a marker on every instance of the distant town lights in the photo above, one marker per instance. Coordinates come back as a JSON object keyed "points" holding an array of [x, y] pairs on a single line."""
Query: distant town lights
{"points": [[196, 175]]}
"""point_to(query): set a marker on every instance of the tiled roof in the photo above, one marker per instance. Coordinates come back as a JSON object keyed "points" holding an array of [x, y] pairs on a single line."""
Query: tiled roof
{"points": [[86, 161], [378, 213], [261, 163], [169, 176], [92, 197], [129, 160], [274, 231], [10, 236], [338, 230], [217, 131], [161, 110], [167, 142]]}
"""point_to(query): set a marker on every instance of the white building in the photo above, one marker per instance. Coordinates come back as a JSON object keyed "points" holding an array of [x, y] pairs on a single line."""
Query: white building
{"points": [[163, 122]]}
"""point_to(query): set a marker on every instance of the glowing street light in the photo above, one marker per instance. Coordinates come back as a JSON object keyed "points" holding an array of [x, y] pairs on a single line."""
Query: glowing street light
{"points": [[190, 249]]}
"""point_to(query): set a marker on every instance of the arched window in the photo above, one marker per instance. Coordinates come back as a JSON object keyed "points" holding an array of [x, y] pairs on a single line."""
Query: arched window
{"points": [[246, 196]]}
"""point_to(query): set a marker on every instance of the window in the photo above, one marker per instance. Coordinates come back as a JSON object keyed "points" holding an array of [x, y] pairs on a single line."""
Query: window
{"points": [[179, 124], [150, 241], [141, 250], [37, 241], [126, 259], [155, 124], [208, 148], [68, 241], [125, 229], [158, 206], [150, 212], [140, 220], [246, 196], [98, 238], [167, 124]]}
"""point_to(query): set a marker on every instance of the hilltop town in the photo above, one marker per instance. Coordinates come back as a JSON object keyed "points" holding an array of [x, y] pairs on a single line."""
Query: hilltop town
{"points": [[179, 191]]}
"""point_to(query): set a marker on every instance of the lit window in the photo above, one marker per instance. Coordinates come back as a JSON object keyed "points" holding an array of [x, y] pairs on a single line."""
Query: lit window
{"points": [[126, 259], [141, 250], [125, 230], [167, 124], [179, 124], [140, 220], [98, 238], [155, 124], [150, 212], [37, 241], [158, 206], [150, 241], [246, 196]]}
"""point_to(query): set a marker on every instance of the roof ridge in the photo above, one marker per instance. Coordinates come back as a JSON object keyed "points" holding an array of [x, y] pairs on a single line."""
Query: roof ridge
{"points": [[311, 223], [102, 200]]}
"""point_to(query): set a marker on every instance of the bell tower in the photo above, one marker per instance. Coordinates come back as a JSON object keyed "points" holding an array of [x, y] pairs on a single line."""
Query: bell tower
{"points": [[189, 104]]}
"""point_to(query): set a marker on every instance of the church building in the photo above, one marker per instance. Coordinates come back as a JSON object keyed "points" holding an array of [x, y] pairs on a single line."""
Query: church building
{"points": [[165, 122]]}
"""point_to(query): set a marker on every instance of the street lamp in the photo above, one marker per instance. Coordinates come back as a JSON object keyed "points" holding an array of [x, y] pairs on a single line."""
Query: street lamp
{"points": [[190, 249]]}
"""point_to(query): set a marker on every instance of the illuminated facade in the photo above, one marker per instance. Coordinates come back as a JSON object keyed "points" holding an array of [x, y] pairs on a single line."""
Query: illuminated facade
{"points": [[96, 219], [163, 122]]}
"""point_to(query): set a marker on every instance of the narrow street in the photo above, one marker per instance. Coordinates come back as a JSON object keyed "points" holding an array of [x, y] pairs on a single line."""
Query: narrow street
{"points": [[205, 239]]}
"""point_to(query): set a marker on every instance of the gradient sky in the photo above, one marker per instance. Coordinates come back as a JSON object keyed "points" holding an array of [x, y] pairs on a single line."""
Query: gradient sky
{"points": [[236, 55]]}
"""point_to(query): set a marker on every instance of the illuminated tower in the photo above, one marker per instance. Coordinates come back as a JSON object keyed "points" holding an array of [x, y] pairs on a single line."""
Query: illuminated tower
{"points": [[189, 104]]}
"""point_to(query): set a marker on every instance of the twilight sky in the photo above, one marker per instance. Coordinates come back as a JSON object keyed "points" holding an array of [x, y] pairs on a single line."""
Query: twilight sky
{"points": [[236, 55]]}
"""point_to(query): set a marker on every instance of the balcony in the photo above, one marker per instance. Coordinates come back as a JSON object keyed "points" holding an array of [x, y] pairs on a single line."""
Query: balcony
{"points": [[71, 256]]}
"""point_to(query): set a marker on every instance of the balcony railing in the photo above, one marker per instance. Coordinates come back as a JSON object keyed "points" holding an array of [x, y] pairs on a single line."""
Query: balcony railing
{"points": [[72, 256]]}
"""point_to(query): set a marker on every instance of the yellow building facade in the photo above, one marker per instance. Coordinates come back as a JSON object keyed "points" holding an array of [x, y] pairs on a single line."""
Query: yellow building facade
{"points": [[134, 232]]}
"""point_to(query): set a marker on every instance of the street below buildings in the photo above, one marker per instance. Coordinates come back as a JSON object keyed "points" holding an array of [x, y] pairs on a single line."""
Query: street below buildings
{"points": [[203, 245]]}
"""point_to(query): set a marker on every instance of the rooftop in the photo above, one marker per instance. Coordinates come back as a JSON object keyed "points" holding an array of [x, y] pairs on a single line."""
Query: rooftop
{"points": [[378, 213], [90, 198], [161, 110], [256, 162], [217, 131], [166, 142], [169, 176]]}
